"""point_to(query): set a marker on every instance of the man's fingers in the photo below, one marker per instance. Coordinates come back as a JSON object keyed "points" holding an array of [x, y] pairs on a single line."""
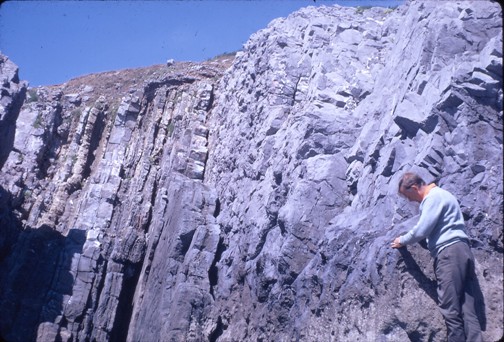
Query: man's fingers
{"points": [[396, 243]]}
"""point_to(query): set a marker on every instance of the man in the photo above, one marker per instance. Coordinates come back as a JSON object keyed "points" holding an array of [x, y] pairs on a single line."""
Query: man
{"points": [[442, 224]]}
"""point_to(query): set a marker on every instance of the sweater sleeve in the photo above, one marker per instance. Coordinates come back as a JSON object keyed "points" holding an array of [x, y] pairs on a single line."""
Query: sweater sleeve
{"points": [[432, 208]]}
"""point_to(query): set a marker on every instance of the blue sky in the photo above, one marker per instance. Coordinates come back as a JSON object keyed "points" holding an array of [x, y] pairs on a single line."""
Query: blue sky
{"points": [[55, 41]]}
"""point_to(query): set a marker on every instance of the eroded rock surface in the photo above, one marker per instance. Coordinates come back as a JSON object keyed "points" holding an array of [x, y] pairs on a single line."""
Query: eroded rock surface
{"points": [[255, 199], [104, 169], [11, 98]]}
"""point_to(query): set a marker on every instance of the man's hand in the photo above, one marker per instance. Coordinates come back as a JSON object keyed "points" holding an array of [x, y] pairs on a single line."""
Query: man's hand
{"points": [[396, 243]]}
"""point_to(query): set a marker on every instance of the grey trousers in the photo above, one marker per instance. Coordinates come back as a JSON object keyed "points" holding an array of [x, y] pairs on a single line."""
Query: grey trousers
{"points": [[456, 281]]}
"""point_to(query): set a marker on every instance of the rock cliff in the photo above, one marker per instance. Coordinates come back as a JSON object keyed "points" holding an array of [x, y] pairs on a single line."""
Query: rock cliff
{"points": [[254, 197]]}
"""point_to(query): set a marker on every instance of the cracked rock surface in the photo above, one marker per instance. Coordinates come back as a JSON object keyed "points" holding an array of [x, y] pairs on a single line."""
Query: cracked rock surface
{"points": [[254, 197]]}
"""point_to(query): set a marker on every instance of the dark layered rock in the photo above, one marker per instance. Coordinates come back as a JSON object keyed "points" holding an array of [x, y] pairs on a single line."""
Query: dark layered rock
{"points": [[257, 201]]}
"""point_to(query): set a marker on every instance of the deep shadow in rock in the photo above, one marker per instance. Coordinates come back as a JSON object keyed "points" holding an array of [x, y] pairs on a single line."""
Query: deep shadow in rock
{"points": [[9, 226], [424, 282], [34, 274], [479, 301], [430, 286], [125, 302]]}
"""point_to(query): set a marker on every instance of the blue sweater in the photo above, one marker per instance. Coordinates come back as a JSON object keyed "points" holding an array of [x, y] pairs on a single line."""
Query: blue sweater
{"points": [[441, 222]]}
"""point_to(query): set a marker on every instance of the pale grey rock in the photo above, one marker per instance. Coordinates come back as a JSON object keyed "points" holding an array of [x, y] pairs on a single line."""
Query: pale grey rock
{"points": [[402, 106], [13, 93], [87, 89], [73, 98]]}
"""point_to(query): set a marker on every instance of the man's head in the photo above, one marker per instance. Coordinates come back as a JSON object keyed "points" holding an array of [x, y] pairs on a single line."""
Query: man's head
{"points": [[411, 186]]}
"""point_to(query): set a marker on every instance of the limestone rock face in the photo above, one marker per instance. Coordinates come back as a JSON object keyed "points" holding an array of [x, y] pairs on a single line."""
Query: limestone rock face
{"points": [[255, 199], [11, 98], [322, 114], [105, 192]]}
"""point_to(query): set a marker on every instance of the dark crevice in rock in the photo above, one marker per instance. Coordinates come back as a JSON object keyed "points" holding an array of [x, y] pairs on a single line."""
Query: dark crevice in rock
{"points": [[213, 271], [210, 101], [264, 288], [94, 142], [415, 335], [323, 258], [296, 88], [217, 332], [125, 302], [185, 242], [101, 269], [387, 171], [217, 208], [52, 144], [145, 226], [10, 226], [281, 225], [155, 154], [496, 245], [375, 156], [278, 177], [467, 215]]}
